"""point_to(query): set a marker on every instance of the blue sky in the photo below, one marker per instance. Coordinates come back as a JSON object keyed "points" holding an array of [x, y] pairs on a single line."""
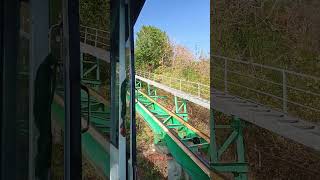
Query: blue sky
{"points": [[186, 22]]}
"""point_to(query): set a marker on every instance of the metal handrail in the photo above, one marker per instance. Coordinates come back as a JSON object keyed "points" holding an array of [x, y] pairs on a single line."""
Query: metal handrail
{"points": [[92, 36], [267, 67], [194, 88], [96, 29], [203, 90], [283, 83]]}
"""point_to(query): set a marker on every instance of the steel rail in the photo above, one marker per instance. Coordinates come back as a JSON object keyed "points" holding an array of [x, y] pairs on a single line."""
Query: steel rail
{"points": [[200, 162]]}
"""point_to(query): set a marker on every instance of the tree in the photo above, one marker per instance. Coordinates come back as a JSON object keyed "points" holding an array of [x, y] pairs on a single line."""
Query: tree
{"points": [[182, 56], [153, 48]]}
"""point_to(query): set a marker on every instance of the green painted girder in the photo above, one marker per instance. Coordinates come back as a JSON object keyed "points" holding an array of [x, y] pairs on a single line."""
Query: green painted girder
{"points": [[92, 104], [187, 139], [162, 116], [239, 167], [201, 146], [159, 97], [85, 100], [93, 107], [106, 131], [101, 121], [89, 70], [171, 122], [103, 116], [91, 81], [102, 127], [182, 114], [181, 108], [184, 135], [148, 104], [181, 157], [168, 119], [143, 100], [174, 125], [98, 121], [95, 151], [231, 167], [100, 113]]}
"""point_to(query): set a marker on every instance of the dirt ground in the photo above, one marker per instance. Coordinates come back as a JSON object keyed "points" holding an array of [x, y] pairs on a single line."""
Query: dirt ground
{"points": [[151, 164]]}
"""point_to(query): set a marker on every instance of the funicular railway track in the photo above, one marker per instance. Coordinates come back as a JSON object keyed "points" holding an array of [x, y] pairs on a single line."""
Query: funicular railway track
{"points": [[189, 146]]}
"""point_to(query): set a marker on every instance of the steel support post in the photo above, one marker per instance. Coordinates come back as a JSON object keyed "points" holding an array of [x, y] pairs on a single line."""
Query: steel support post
{"points": [[284, 92], [213, 139], [240, 148], [149, 90], [138, 84], [81, 65], [225, 76], [238, 168], [152, 91], [122, 168], [181, 108], [98, 69]]}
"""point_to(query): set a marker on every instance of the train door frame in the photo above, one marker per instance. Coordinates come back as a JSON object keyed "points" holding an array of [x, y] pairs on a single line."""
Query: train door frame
{"points": [[39, 50], [71, 41], [9, 56], [124, 16]]}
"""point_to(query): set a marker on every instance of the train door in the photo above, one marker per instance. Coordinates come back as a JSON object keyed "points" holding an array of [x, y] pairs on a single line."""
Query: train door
{"points": [[64, 111], [8, 62], [40, 127]]}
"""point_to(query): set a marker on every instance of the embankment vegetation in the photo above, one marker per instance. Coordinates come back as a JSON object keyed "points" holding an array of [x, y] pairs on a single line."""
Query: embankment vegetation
{"points": [[282, 34]]}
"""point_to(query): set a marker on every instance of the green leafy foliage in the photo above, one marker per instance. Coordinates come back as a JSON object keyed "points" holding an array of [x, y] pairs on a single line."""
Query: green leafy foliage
{"points": [[95, 13], [153, 48]]}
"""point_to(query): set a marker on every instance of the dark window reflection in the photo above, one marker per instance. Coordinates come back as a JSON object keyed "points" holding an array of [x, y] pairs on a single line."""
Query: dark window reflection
{"points": [[22, 93]]}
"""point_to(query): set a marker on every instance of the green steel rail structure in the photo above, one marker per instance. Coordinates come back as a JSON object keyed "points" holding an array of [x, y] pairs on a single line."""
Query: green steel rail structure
{"points": [[94, 142], [185, 143], [189, 147], [95, 116]]}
